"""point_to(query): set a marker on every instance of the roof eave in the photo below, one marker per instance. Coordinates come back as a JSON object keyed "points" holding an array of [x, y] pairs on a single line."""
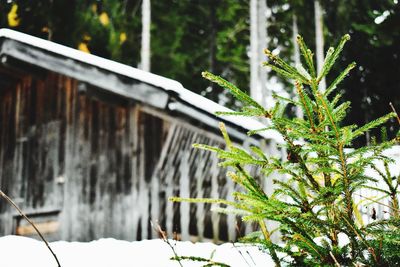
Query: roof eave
{"points": [[117, 78]]}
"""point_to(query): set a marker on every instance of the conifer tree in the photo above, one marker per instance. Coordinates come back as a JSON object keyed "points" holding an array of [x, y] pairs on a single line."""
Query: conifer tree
{"points": [[315, 204]]}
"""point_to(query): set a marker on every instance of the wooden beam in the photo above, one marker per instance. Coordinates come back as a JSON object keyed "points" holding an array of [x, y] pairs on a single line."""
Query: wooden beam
{"points": [[44, 227], [108, 81]]}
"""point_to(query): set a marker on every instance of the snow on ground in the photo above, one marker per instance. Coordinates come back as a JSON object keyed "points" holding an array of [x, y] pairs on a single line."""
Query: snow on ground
{"points": [[394, 167], [17, 251]]}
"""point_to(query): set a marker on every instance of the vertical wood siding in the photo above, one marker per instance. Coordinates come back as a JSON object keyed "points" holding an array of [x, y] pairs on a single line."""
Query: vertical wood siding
{"points": [[105, 170], [30, 142]]}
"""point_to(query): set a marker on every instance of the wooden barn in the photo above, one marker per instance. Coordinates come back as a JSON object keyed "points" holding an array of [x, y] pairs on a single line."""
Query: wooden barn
{"points": [[91, 148]]}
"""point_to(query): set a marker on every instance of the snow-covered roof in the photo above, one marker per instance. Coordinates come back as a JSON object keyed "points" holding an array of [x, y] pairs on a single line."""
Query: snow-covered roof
{"points": [[169, 86]]}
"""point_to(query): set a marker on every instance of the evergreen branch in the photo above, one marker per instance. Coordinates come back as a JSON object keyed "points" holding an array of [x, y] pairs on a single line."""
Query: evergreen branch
{"points": [[230, 211], [340, 112], [336, 99], [233, 157], [255, 186], [233, 113], [278, 110], [328, 58], [339, 79], [244, 182], [309, 176], [388, 177], [306, 104], [307, 54], [373, 124], [311, 245], [293, 149], [385, 178], [317, 108], [240, 95], [359, 234], [301, 70], [286, 74], [251, 198], [325, 169], [247, 185], [288, 100], [224, 132], [376, 189], [293, 72], [206, 200], [317, 198], [375, 150], [317, 139], [329, 113], [335, 55], [346, 179], [280, 168], [298, 198], [208, 147], [252, 132], [267, 237], [256, 150], [200, 259]]}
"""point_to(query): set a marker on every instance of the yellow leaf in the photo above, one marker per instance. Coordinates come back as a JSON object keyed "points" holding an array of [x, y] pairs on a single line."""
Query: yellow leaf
{"points": [[122, 37], [83, 47], [357, 215], [104, 19], [86, 38], [94, 8], [13, 20]]}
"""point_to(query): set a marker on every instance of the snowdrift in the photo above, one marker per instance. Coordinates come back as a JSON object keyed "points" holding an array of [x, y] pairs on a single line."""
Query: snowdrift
{"points": [[17, 251]]}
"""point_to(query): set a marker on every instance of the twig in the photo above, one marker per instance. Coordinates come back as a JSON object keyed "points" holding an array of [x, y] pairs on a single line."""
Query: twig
{"points": [[241, 254], [378, 202], [334, 259], [267, 237], [394, 110], [163, 236], [370, 249], [9, 200], [234, 245], [251, 257]]}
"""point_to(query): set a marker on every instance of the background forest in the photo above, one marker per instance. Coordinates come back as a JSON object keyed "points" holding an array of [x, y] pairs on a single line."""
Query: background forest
{"points": [[226, 37]]}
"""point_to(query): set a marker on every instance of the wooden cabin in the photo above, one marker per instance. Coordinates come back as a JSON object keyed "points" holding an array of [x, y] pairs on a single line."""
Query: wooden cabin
{"points": [[92, 148]]}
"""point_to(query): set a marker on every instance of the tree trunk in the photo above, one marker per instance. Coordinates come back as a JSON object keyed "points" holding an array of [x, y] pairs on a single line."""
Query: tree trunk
{"points": [[319, 41], [262, 44], [145, 51], [213, 46], [254, 90], [258, 41]]}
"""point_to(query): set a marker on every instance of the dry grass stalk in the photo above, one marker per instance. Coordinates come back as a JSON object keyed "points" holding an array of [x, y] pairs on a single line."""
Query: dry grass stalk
{"points": [[9, 200]]}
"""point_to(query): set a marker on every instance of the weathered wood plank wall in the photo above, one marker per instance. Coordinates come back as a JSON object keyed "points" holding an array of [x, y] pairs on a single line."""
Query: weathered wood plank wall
{"points": [[104, 170], [30, 148]]}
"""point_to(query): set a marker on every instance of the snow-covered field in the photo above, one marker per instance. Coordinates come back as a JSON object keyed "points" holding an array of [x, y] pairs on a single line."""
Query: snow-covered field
{"points": [[16, 251]]}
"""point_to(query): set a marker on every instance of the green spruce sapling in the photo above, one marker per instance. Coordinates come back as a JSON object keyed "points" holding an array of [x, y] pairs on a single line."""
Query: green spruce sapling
{"points": [[315, 205]]}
